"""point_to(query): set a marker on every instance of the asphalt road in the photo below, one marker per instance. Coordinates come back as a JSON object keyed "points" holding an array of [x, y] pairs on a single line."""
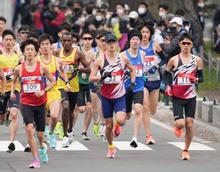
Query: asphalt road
{"points": [[88, 156]]}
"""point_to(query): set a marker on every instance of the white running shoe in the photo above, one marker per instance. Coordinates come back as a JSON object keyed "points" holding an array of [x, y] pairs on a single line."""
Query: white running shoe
{"points": [[70, 136], [65, 142]]}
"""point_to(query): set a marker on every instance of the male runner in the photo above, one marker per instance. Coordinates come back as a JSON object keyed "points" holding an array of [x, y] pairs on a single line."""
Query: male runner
{"points": [[112, 67], [33, 98], [187, 71], [71, 57], [55, 66], [136, 94]]}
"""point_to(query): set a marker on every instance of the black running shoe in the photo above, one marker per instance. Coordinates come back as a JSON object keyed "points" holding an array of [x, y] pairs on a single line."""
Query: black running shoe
{"points": [[11, 148], [133, 144]]}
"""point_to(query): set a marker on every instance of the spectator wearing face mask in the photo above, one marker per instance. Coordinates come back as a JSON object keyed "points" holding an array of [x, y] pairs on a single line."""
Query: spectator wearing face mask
{"points": [[163, 10], [144, 13], [120, 28]]}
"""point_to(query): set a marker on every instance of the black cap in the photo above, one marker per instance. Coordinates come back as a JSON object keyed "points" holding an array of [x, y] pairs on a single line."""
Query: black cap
{"points": [[110, 38]]}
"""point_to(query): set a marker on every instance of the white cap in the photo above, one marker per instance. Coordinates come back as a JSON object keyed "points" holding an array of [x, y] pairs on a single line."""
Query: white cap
{"points": [[177, 20], [133, 15]]}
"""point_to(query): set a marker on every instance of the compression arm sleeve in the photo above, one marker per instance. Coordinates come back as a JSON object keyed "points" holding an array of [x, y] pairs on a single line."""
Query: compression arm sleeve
{"points": [[167, 77], [200, 76]]}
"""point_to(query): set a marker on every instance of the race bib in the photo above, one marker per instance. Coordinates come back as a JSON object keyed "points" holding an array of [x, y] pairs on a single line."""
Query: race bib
{"points": [[84, 75], [149, 61], [116, 78], [31, 88], [68, 68], [183, 79], [139, 71]]}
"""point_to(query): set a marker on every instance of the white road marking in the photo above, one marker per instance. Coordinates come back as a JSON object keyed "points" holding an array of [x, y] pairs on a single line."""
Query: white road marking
{"points": [[4, 146], [193, 146], [125, 145], [75, 146]]}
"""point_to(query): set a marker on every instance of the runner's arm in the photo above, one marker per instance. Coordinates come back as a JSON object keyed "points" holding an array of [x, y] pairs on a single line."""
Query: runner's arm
{"points": [[84, 62], [199, 72], [16, 75], [130, 67], [2, 77], [94, 70], [48, 75]]}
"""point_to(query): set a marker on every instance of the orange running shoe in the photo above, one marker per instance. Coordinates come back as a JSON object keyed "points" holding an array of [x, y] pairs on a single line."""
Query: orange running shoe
{"points": [[185, 155], [111, 152], [117, 130], [150, 140], [178, 132]]}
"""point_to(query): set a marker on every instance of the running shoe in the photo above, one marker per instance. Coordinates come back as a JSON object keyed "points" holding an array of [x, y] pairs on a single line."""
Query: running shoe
{"points": [[11, 147], [52, 141], [65, 142], [111, 152], [133, 144], [150, 140], [27, 148], [117, 130], [95, 129], [102, 130], [59, 130], [85, 136], [178, 132], [43, 155], [35, 164], [185, 155], [70, 136]]}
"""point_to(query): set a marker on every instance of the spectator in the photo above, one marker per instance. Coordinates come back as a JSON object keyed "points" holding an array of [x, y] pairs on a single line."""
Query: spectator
{"points": [[144, 13], [37, 18], [163, 10], [2, 28], [133, 20], [201, 12]]}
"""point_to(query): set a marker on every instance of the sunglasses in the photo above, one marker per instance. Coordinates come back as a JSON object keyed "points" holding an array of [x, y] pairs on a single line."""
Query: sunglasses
{"points": [[186, 43], [23, 32], [87, 38]]}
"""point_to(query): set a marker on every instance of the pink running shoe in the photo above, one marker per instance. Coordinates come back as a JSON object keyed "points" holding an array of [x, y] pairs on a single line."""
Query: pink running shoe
{"points": [[111, 152], [35, 164]]}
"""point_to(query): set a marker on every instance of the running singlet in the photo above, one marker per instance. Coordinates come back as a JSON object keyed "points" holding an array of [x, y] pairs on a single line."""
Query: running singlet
{"points": [[52, 67], [32, 82], [137, 63], [182, 87], [113, 87], [150, 60], [72, 71], [8, 64]]}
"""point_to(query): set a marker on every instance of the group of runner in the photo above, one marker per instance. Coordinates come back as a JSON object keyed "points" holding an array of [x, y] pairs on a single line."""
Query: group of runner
{"points": [[61, 80]]}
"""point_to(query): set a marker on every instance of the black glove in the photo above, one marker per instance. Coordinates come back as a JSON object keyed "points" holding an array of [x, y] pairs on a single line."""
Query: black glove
{"points": [[131, 88], [105, 75]]}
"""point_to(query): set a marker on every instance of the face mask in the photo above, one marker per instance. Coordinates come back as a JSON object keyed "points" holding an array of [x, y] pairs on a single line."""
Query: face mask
{"points": [[120, 11], [162, 14], [187, 28], [141, 10], [201, 5], [114, 21], [98, 18], [94, 12]]}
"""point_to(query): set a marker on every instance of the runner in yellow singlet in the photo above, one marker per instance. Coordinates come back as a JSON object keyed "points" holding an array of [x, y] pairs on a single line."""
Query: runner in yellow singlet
{"points": [[8, 61], [71, 58], [53, 96]]}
